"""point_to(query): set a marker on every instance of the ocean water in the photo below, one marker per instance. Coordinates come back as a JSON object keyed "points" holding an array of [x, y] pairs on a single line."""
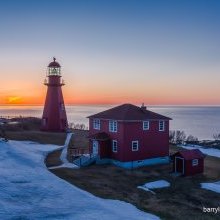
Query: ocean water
{"points": [[201, 122]]}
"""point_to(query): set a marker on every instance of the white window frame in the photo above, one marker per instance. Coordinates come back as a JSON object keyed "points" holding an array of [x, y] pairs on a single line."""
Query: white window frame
{"points": [[114, 146], [96, 124], [163, 125], [195, 162], [146, 125], [113, 126], [132, 145]]}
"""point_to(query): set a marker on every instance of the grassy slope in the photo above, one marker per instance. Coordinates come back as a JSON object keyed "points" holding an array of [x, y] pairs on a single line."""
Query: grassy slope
{"points": [[183, 200], [37, 136]]}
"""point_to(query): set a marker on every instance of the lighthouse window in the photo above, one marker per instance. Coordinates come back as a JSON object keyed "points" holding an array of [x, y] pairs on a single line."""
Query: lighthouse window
{"points": [[54, 71], [96, 124], [161, 125], [146, 125], [113, 126]]}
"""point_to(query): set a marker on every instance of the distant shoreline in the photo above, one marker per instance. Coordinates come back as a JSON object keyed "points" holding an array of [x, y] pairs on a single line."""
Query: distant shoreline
{"points": [[201, 122]]}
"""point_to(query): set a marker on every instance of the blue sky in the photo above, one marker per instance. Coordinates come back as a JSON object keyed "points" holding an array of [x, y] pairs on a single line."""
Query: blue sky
{"points": [[157, 52]]}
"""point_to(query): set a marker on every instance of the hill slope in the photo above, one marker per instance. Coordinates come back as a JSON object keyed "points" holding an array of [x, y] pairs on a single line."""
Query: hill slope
{"points": [[29, 191]]}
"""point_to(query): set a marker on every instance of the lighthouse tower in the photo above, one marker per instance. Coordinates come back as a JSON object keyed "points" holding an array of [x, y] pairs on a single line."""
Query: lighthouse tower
{"points": [[54, 114]]}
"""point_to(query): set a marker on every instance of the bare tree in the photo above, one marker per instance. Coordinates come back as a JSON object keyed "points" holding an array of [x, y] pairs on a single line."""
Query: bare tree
{"points": [[172, 135], [71, 125], [216, 137], [77, 126], [180, 137], [191, 138]]}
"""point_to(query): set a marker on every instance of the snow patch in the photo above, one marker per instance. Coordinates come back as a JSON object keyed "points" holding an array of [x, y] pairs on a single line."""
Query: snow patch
{"points": [[65, 165], [208, 151], [211, 186], [29, 191], [154, 185]]}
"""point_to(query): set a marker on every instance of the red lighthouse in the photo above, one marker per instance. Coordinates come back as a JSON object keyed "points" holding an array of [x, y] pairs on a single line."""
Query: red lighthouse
{"points": [[54, 114]]}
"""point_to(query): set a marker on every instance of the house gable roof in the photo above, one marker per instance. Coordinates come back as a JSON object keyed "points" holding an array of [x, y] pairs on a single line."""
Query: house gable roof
{"points": [[128, 112], [190, 154]]}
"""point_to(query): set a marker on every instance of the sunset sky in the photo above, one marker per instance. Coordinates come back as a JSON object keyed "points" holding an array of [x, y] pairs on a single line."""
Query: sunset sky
{"points": [[157, 52]]}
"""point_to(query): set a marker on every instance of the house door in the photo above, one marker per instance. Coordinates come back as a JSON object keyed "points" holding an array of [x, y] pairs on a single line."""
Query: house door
{"points": [[179, 165], [95, 148]]}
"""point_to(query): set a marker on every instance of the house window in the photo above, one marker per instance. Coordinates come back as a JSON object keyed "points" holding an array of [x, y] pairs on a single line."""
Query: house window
{"points": [[113, 126], [146, 125], [161, 125], [96, 124], [195, 162], [114, 146], [134, 145]]}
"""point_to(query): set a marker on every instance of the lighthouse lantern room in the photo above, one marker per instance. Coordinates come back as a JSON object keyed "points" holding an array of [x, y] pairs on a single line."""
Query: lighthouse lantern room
{"points": [[54, 114]]}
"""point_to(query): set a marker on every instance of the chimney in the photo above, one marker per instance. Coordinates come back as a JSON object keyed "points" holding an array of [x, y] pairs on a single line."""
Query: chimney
{"points": [[143, 107]]}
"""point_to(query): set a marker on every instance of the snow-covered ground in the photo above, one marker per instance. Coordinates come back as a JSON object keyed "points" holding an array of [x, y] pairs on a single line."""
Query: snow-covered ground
{"points": [[154, 185], [212, 186], [29, 191], [208, 151]]}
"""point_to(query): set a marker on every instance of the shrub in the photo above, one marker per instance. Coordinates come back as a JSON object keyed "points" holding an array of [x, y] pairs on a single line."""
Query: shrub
{"points": [[191, 138], [216, 137], [180, 137], [177, 137], [77, 126], [172, 135]]}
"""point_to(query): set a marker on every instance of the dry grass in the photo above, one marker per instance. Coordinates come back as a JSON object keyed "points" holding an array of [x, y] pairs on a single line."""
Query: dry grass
{"points": [[54, 159], [79, 139], [183, 200], [28, 129], [37, 136]]}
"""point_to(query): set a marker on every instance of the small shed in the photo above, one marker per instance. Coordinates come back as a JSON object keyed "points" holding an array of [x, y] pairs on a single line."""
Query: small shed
{"points": [[188, 162]]}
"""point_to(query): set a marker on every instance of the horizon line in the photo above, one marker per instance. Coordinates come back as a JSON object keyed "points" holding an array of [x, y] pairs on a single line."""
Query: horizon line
{"points": [[111, 104]]}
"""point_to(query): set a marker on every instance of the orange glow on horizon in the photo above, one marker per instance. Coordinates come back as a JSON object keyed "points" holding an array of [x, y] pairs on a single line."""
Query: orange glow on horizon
{"points": [[13, 100], [19, 100], [84, 96]]}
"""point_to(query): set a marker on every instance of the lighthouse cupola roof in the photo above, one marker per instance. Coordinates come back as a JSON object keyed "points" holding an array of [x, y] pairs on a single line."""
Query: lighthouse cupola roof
{"points": [[54, 63]]}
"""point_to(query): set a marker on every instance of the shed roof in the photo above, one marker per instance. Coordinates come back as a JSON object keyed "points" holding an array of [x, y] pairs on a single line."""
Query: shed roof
{"points": [[128, 112], [190, 154]]}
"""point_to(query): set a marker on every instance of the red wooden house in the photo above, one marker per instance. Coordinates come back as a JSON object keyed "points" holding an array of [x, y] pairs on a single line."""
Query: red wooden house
{"points": [[129, 136], [188, 162]]}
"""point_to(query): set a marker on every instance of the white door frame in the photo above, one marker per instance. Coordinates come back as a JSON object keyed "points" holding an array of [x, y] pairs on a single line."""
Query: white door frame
{"points": [[183, 164], [95, 148]]}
